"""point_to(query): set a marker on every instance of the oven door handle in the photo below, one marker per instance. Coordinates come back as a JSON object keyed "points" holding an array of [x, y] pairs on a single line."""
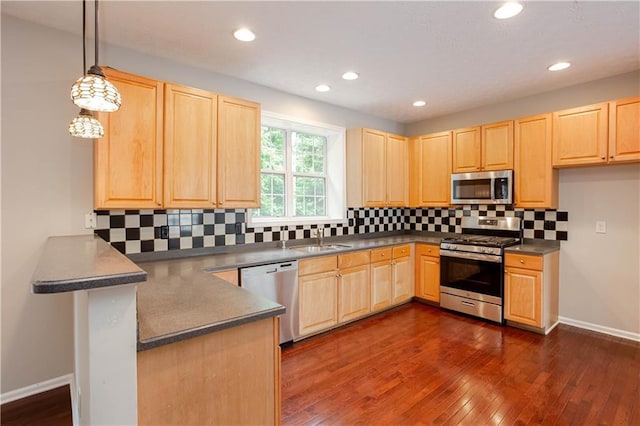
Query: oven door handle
{"points": [[473, 256]]}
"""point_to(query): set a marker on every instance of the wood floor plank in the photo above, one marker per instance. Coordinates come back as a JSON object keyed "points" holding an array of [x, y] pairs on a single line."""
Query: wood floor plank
{"points": [[418, 364]]}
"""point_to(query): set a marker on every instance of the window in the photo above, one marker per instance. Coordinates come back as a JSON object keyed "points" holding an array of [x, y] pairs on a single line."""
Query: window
{"points": [[302, 177]]}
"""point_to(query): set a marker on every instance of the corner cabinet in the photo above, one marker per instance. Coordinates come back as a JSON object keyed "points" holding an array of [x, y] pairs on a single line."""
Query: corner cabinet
{"points": [[531, 290], [128, 160], [238, 153], [378, 169], [428, 272], [536, 181]]}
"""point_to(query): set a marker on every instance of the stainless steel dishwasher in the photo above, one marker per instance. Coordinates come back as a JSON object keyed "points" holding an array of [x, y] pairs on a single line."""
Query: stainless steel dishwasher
{"points": [[277, 282]]}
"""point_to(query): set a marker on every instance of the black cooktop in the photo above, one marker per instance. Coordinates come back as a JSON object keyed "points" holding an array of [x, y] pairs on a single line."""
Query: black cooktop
{"points": [[482, 240]]}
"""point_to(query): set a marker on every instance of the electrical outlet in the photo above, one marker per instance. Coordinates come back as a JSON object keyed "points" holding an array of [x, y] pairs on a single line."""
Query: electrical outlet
{"points": [[601, 227], [90, 220]]}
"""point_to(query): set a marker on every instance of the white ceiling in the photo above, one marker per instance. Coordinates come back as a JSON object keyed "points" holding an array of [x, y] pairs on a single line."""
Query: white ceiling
{"points": [[452, 54]]}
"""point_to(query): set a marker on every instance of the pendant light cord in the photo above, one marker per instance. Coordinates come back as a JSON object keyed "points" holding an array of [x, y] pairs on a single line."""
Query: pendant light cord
{"points": [[84, 36], [96, 34]]}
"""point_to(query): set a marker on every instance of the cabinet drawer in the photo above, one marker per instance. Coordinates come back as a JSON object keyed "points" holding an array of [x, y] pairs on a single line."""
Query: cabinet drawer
{"points": [[427, 250], [402, 251], [523, 261], [317, 265], [378, 255], [354, 259]]}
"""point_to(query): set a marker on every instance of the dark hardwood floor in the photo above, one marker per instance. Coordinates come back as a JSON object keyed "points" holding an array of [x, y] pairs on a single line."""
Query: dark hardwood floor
{"points": [[421, 365], [51, 408]]}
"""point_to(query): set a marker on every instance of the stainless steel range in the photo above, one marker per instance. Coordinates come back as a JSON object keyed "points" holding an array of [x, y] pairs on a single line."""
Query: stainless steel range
{"points": [[472, 266]]}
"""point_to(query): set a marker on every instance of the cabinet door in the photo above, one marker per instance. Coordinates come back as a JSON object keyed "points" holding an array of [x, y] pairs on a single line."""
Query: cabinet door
{"points": [[580, 135], [318, 301], [536, 182], [397, 170], [238, 153], [128, 159], [353, 296], [435, 169], [466, 150], [381, 285], [428, 273], [523, 296], [414, 172], [624, 130], [497, 146], [403, 288], [190, 147], [374, 178]]}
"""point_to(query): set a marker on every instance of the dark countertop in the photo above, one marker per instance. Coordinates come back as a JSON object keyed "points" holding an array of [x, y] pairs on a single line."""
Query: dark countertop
{"points": [[181, 300], [534, 247], [82, 262]]}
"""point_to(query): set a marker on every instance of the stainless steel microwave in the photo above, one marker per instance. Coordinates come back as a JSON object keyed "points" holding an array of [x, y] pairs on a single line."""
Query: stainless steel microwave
{"points": [[482, 187]]}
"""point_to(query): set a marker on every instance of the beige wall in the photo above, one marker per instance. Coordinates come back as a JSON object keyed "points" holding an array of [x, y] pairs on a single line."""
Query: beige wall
{"points": [[47, 176], [616, 87], [599, 274]]}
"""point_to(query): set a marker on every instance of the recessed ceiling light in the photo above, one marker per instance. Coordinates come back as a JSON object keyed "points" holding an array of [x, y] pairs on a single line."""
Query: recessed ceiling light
{"points": [[508, 10], [559, 66], [244, 34], [419, 103], [323, 88], [350, 75]]}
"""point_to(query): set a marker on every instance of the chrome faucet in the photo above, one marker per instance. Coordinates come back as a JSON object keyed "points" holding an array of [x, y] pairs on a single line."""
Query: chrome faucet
{"points": [[320, 236]]}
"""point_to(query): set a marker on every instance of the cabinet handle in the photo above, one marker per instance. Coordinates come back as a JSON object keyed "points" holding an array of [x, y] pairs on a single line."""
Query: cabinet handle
{"points": [[612, 157], [602, 158], [522, 261]]}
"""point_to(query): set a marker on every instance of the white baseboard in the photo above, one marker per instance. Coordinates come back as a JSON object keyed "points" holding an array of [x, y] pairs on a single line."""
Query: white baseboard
{"points": [[37, 388], [600, 329]]}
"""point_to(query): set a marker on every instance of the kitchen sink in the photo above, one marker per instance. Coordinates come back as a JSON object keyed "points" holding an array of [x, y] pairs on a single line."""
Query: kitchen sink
{"points": [[314, 248]]}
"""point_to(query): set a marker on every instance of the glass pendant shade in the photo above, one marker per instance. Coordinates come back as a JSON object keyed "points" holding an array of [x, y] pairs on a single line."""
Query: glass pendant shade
{"points": [[94, 92], [85, 126]]}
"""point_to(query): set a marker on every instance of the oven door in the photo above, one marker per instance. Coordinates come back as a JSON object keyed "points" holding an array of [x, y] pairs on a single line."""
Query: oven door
{"points": [[470, 272]]}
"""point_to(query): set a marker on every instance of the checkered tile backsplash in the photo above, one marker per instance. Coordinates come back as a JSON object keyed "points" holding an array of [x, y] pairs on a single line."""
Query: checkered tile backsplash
{"points": [[136, 231]]}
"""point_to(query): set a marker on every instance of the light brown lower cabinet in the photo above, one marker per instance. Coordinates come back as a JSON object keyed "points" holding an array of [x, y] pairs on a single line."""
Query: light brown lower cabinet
{"points": [[402, 273], [428, 272], [317, 294], [354, 285], [531, 290], [231, 376], [381, 278]]}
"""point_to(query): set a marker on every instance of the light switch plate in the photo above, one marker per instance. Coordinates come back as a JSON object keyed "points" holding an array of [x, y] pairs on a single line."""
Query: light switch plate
{"points": [[601, 227], [90, 220]]}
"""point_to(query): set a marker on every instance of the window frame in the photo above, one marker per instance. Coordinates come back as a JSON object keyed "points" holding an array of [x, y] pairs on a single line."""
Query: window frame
{"points": [[334, 172]]}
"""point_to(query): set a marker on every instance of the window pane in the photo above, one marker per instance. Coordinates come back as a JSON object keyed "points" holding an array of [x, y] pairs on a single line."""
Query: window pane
{"points": [[272, 150], [308, 153], [272, 195], [309, 196]]}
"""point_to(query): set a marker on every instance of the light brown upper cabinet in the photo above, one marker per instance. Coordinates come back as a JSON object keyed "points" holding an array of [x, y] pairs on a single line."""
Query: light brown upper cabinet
{"points": [[466, 150], [128, 159], [238, 153], [580, 135], [171, 146], [378, 169], [497, 146], [536, 181], [434, 170], [487, 147], [624, 130], [189, 147]]}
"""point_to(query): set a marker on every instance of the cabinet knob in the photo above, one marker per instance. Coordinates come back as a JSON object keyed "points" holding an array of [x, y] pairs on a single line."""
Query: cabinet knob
{"points": [[612, 157], [429, 250], [521, 261], [602, 158], [382, 255]]}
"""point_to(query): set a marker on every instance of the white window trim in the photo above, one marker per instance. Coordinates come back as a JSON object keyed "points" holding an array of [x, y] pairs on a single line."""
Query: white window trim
{"points": [[336, 183]]}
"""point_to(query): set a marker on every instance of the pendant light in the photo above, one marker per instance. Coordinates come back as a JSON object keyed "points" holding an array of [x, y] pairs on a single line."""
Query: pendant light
{"points": [[93, 91], [84, 125]]}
